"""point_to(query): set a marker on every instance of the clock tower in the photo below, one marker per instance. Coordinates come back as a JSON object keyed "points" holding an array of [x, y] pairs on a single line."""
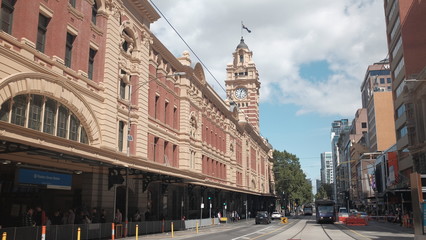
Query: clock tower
{"points": [[242, 84]]}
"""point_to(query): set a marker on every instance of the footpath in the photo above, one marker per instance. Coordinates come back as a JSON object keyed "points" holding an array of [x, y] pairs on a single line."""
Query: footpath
{"points": [[192, 233]]}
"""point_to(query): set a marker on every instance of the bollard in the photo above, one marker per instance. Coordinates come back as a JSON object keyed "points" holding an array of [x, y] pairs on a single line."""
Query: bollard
{"points": [[197, 226], [78, 233], [4, 236], [125, 228], [113, 233], [137, 231], [43, 232], [162, 226], [172, 231]]}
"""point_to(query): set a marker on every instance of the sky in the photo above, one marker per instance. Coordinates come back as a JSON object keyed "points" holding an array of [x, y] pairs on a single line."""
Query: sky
{"points": [[311, 55]]}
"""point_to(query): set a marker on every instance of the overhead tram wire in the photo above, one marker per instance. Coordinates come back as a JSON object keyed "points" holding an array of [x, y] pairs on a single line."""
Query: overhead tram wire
{"points": [[193, 52]]}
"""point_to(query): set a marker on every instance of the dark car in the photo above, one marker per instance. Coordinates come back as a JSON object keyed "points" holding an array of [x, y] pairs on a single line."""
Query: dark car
{"points": [[262, 217]]}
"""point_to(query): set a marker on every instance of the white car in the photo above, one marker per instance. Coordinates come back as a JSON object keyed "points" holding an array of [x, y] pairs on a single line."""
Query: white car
{"points": [[276, 215], [343, 212]]}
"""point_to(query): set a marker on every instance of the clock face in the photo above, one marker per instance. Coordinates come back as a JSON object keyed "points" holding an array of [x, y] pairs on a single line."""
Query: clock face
{"points": [[241, 93]]}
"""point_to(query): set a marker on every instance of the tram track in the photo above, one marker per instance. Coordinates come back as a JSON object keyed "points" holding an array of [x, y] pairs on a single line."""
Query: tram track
{"points": [[328, 235], [300, 231], [343, 230]]}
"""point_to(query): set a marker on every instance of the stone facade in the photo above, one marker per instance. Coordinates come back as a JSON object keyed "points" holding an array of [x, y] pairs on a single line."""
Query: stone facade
{"points": [[87, 88]]}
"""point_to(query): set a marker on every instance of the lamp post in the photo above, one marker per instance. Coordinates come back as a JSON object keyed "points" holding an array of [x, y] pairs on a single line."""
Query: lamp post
{"points": [[130, 138]]}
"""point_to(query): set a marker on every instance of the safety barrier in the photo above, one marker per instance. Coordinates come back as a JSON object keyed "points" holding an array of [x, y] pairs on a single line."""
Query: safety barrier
{"points": [[119, 233], [101, 230], [356, 221]]}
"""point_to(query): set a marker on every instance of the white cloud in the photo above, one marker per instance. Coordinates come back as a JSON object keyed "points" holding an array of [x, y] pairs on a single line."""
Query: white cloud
{"points": [[347, 34]]}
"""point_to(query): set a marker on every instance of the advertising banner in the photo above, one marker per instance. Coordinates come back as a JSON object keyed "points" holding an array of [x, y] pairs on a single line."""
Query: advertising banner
{"points": [[392, 168]]}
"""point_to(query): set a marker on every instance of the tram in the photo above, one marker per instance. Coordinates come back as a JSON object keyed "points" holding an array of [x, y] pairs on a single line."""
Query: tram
{"points": [[307, 209], [325, 211]]}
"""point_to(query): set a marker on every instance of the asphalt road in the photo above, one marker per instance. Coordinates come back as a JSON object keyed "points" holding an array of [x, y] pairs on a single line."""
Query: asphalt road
{"points": [[301, 227]]}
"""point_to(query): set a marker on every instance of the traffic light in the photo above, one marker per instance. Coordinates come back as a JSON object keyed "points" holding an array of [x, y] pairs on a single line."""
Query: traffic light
{"points": [[114, 177], [224, 204]]}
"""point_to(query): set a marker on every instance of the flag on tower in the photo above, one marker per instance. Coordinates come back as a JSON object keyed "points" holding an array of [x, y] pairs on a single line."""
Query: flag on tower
{"points": [[248, 30]]}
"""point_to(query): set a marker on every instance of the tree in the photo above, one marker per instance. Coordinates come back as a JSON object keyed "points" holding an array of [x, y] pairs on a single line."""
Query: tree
{"points": [[328, 187], [290, 179], [321, 194]]}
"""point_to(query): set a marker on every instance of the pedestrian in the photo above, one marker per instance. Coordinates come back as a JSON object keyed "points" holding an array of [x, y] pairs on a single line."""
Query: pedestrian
{"points": [[71, 216], [56, 219], [94, 217], [147, 215], [102, 218], [80, 217], [118, 216], [27, 219], [40, 217], [137, 216]]}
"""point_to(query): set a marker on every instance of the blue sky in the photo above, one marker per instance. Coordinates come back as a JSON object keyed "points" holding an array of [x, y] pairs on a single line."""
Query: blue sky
{"points": [[311, 56]]}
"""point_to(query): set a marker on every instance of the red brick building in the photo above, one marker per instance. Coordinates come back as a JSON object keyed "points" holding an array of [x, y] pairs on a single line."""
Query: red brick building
{"points": [[97, 107]]}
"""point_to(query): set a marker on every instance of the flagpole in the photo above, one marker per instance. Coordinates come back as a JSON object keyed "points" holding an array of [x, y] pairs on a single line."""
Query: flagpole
{"points": [[241, 28]]}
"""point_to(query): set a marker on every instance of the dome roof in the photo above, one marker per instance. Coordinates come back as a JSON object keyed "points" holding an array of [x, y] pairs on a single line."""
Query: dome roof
{"points": [[242, 44]]}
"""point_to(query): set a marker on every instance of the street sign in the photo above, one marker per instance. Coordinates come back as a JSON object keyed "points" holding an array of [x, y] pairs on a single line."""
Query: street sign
{"points": [[202, 205], [424, 217]]}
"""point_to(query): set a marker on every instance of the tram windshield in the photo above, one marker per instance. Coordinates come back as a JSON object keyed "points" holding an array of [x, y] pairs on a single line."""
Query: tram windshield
{"points": [[324, 209]]}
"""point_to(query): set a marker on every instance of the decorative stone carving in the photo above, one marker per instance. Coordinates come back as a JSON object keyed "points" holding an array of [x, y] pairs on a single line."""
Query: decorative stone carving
{"points": [[146, 40], [113, 8]]}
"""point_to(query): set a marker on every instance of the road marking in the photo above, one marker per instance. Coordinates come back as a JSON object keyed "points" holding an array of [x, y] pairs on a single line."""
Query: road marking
{"points": [[274, 230], [246, 236], [356, 232]]}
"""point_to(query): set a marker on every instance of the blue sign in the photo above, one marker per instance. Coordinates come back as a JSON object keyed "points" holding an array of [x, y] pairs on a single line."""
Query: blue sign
{"points": [[424, 214], [52, 180]]}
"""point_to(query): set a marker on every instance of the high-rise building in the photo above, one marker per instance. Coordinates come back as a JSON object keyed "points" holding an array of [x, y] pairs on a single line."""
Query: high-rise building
{"points": [[327, 175], [405, 24], [336, 128], [376, 93], [318, 184]]}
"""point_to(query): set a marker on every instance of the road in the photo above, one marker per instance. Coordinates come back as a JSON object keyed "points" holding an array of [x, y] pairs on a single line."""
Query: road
{"points": [[301, 227]]}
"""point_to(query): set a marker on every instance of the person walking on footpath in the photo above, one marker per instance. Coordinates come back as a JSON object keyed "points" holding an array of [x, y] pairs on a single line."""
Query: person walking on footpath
{"points": [[40, 217], [27, 219], [118, 216]]}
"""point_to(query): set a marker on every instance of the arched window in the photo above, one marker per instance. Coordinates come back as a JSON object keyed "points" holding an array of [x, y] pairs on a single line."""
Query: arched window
{"points": [[19, 109], [36, 107], [45, 115], [49, 116]]}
